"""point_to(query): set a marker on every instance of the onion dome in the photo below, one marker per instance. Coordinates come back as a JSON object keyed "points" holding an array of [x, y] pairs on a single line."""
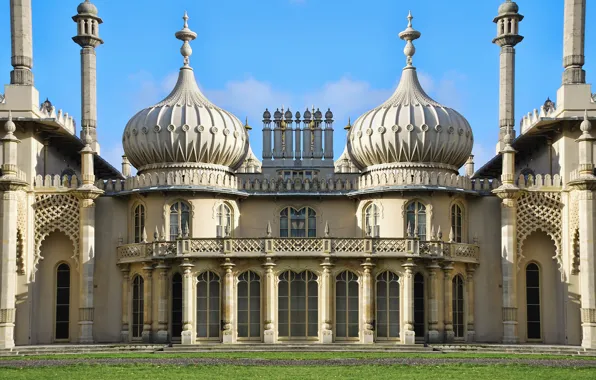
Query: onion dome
{"points": [[251, 163], [266, 115], [318, 114], [328, 114], [86, 8], [307, 115], [277, 114], [288, 115], [344, 163], [410, 129], [508, 7], [297, 116], [185, 129]]}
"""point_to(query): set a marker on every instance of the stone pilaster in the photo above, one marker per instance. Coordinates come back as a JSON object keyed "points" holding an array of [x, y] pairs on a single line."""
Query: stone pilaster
{"points": [[125, 331], [408, 336], [228, 302], [188, 331], [326, 320], [368, 302], [148, 303], [8, 274], [162, 313], [21, 42], [269, 329], [471, 330], [573, 42], [433, 304], [448, 303]]}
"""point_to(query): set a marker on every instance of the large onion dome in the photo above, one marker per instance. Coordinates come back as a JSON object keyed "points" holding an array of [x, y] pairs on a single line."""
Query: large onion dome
{"points": [[185, 129], [410, 129]]}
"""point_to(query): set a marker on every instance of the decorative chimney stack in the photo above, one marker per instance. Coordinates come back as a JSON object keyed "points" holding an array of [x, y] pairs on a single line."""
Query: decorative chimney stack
{"points": [[21, 42], [88, 38], [573, 42], [507, 38]]}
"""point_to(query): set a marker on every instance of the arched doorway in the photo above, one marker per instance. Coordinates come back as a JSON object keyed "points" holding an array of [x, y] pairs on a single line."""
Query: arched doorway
{"points": [[298, 305], [387, 306]]}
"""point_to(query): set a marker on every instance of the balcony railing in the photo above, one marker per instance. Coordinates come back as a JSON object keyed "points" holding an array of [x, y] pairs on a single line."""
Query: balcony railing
{"points": [[339, 247]]}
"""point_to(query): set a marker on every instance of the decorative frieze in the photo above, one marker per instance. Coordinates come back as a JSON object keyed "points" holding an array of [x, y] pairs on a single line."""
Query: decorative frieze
{"points": [[7, 315]]}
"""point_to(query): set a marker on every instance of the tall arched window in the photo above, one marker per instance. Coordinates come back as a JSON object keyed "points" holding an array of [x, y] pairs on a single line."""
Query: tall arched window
{"points": [[419, 320], [346, 305], [62, 320], [371, 220], [387, 305], [456, 222], [179, 219], [298, 305], [224, 220], [208, 305], [249, 305], [137, 306], [416, 219], [177, 305], [533, 302], [298, 223], [139, 223], [458, 306]]}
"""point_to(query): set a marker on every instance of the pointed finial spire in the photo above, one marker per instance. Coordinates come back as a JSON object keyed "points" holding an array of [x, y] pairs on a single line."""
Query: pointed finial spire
{"points": [[186, 35], [144, 236], [246, 126], [186, 230], [349, 126], [409, 35], [163, 233], [156, 234], [586, 125], [327, 231], [268, 229], [440, 233], [9, 126]]}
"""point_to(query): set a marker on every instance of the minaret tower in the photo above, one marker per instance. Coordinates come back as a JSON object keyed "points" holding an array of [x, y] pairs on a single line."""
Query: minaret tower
{"points": [[573, 42], [88, 38], [507, 37], [21, 42]]}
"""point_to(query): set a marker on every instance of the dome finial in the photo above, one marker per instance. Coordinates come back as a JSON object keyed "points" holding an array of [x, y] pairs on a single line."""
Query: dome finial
{"points": [[409, 35], [186, 35]]}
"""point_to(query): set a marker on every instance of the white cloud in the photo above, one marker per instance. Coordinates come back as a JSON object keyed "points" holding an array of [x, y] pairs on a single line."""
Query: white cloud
{"points": [[149, 90]]}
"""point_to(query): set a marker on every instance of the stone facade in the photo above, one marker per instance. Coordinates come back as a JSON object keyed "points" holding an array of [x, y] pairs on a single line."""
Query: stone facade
{"points": [[214, 245]]}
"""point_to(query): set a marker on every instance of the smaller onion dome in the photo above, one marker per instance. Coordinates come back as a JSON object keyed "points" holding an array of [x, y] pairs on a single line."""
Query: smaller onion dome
{"points": [[344, 163], [307, 114], [266, 114], [586, 125], [508, 7], [251, 163], [277, 114], [288, 114], [318, 114], [297, 116], [87, 8], [328, 114]]}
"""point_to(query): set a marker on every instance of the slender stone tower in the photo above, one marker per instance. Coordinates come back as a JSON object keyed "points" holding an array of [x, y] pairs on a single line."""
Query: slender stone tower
{"points": [[88, 38], [573, 42], [21, 42], [507, 37]]}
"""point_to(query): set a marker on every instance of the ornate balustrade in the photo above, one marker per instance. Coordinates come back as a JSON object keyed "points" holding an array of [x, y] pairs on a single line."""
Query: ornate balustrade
{"points": [[338, 247]]}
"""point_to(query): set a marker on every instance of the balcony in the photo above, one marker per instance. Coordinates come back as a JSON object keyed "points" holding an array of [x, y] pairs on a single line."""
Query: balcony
{"points": [[298, 247]]}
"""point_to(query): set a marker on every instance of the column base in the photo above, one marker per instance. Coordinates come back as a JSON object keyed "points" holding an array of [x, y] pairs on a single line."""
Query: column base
{"points": [[227, 337], [86, 332], [471, 336], [327, 337], [162, 337], [408, 337], [434, 336], [589, 335], [449, 336], [124, 336], [368, 337], [188, 337], [510, 333], [269, 337], [146, 336], [6, 335]]}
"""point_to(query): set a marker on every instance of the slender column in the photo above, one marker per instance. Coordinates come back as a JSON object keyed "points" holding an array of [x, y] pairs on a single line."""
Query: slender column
{"points": [[162, 316], [574, 39], [188, 334], [21, 42], [471, 330], [228, 302], [408, 336], [368, 302], [87, 267], [587, 238], [326, 329], [148, 303], [124, 333], [433, 304], [269, 333], [448, 302], [509, 269]]}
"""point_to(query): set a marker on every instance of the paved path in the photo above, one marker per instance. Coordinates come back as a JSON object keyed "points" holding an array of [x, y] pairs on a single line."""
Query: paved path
{"points": [[164, 360]]}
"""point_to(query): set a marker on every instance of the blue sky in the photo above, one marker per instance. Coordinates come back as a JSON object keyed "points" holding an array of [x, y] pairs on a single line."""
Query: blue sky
{"points": [[255, 54]]}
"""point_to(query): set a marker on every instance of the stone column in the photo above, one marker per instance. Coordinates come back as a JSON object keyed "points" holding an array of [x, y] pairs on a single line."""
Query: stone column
{"points": [[8, 279], [509, 269], [587, 249], [22, 42], [147, 304], [162, 313], [573, 42], [368, 302], [433, 304], [326, 326], [471, 330], [188, 333], [448, 303], [228, 302], [124, 333], [269, 302], [408, 336], [86, 265]]}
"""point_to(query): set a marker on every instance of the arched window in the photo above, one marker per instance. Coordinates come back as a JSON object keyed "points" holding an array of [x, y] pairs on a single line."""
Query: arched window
{"points": [[298, 223], [249, 305], [298, 305], [62, 320], [533, 301], [139, 223], [458, 306], [416, 219], [456, 222], [137, 306], [387, 305], [179, 219], [419, 320], [208, 305], [346, 305], [224, 220], [177, 305], [371, 220]]}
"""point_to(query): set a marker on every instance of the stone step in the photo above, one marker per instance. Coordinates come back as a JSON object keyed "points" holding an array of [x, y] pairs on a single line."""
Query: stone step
{"points": [[281, 347], [512, 349], [79, 349]]}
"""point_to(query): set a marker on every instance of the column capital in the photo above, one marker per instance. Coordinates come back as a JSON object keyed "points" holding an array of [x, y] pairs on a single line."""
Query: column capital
{"points": [[471, 268], [326, 264], [228, 265], [367, 265]]}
